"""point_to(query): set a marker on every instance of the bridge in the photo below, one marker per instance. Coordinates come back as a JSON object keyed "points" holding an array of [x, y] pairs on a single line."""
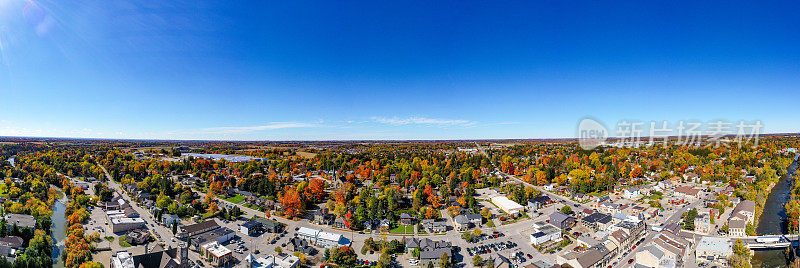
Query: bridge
{"points": [[768, 241]]}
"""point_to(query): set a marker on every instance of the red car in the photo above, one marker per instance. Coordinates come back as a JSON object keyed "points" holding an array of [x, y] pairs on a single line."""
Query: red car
{"points": [[630, 261]]}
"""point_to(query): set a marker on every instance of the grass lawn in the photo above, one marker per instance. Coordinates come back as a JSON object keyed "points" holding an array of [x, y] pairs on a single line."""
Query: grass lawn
{"points": [[490, 223], [124, 243], [109, 238], [403, 229], [235, 199]]}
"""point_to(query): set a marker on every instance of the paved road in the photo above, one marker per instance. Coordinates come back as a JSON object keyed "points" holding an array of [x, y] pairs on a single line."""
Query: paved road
{"points": [[551, 195], [162, 231], [623, 260]]}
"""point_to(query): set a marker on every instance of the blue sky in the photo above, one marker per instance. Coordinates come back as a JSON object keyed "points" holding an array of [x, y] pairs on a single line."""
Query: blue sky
{"points": [[318, 70]]}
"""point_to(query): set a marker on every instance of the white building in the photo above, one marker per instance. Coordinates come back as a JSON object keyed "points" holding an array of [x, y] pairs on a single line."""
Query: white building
{"points": [[321, 238], [713, 248], [308, 234], [119, 225], [631, 193], [288, 261], [330, 240], [122, 260], [507, 205]]}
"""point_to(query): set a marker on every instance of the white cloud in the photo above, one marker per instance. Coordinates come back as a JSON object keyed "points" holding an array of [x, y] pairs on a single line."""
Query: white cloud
{"points": [[246, 129], [422, 121]]}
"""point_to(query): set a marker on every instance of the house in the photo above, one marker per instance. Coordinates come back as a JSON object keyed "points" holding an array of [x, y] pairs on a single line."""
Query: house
{"points": [[507, 205], [610, 208], [713, 248], [406, 219], [157, 258], [340, 222], [14, 242], [297, 244], [323, 216], [702, 224], [539, 202], [561, 220], [250, 227], [586, 212], [137, 237], [433, 226], [216, 254], [465, 221], [631, 192], [430, 251], [687, 192], [597, 221], [168, 219]]}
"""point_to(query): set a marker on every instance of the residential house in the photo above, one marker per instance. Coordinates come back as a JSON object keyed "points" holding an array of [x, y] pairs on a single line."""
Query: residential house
{"points": [[406, 219], [465, 221], [702, 224], [631, 192], [433, 226], [539, 202], [561, 220], [687, 192]]}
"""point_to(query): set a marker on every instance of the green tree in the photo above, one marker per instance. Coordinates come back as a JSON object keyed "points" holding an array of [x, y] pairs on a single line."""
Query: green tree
{"points": [[566, 210], [444, 261], [344, 257], [477, 260], [688, 220]]}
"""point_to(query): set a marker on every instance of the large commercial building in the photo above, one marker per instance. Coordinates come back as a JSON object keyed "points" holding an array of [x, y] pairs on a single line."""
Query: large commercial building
{"points": [[321, 238], [197, 228], [713, 248], [507, 205], [119, 225]]}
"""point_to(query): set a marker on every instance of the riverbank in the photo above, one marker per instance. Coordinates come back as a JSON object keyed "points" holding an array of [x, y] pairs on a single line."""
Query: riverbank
{"points": [[59, 228], [773, 221]]}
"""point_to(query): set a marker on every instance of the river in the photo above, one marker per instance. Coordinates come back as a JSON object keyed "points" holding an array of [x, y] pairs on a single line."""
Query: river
{"points": [[772, 222], [11, 160], [59, 229]]}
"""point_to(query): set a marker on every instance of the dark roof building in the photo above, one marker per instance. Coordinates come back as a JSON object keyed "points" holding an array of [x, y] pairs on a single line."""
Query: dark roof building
{"points": [[561, 220], [197, 228]]}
